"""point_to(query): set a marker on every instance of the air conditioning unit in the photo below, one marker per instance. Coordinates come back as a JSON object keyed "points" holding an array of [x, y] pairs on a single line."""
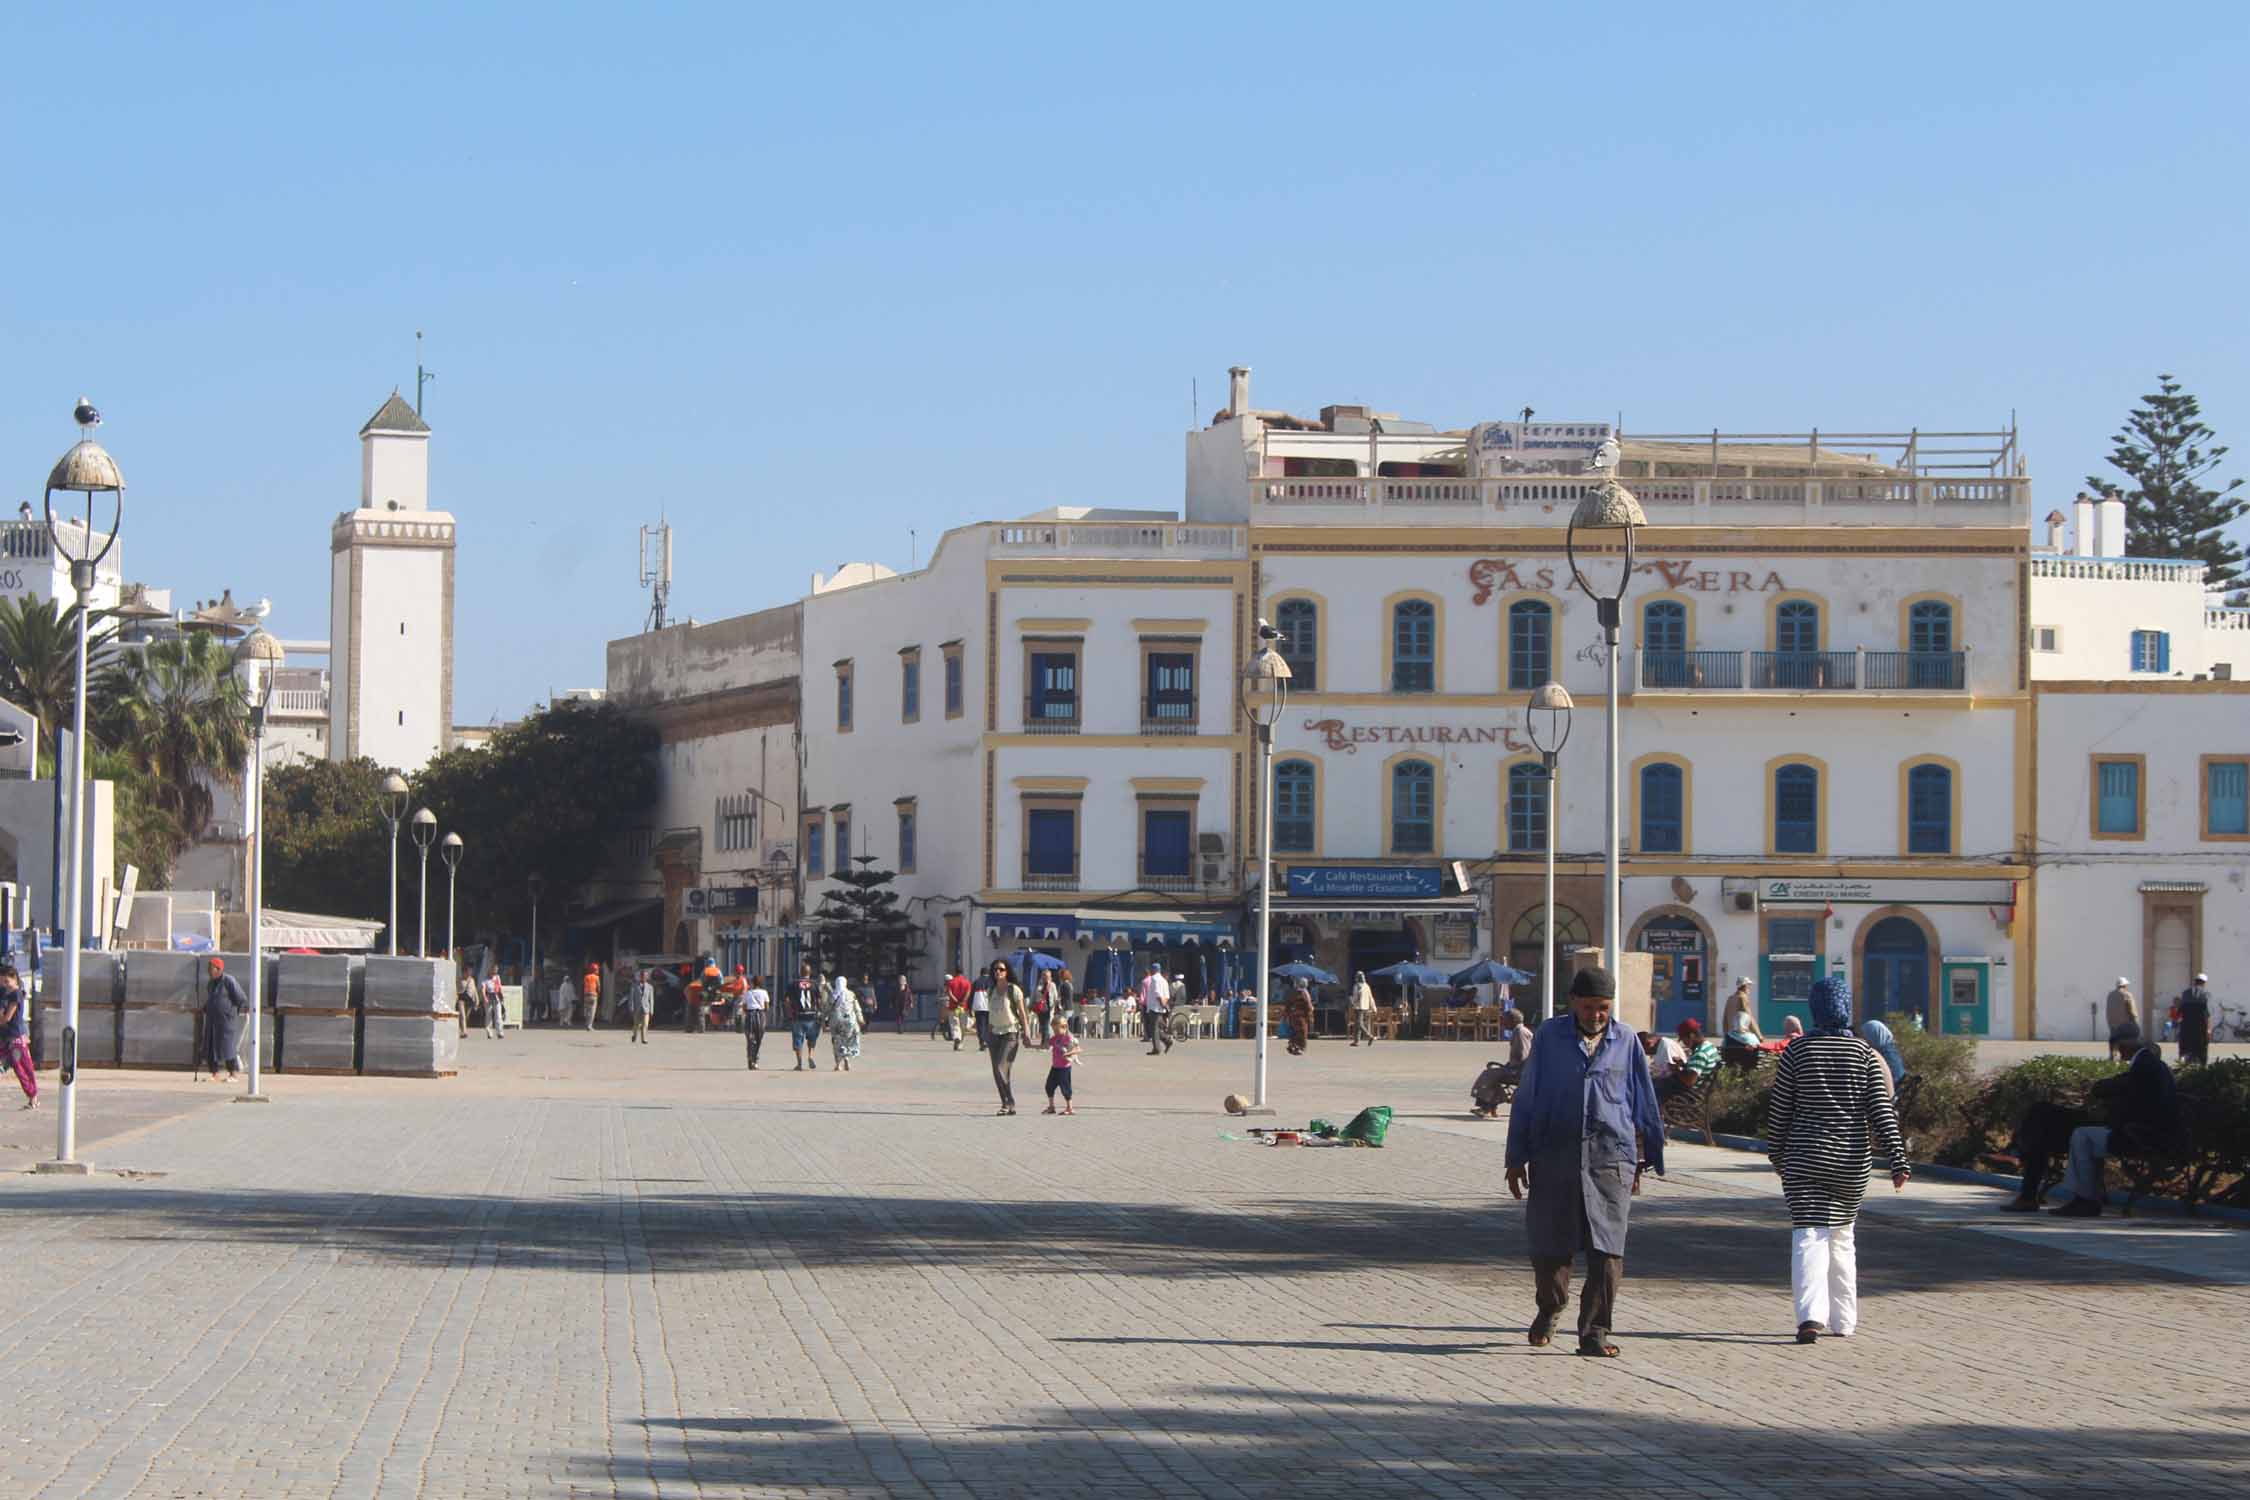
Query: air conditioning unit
{"points": [[1211, 874], [1211, 843], [1738, 895], [698, 902]]}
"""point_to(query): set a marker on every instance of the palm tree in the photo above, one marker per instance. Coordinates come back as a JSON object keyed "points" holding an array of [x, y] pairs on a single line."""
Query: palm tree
{"points": [[39, 659], [175, 711]]}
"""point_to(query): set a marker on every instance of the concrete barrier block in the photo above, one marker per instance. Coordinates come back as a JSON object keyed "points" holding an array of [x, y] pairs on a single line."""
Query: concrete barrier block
{"points": [[313, 1043], [172, 981], [410, 1046], [155, 1038], [97, 1036], [421, 986], [313, 981]]}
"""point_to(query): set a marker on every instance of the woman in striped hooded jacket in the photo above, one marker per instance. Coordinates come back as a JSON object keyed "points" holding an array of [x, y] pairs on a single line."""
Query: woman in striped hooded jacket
{"points": [[1829, 1113]]}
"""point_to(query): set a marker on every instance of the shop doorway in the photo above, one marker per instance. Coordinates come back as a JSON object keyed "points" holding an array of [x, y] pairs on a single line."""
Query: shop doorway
{"points": [[1897, 979], [1677, 960], [1527, 951], [1376, 948]]}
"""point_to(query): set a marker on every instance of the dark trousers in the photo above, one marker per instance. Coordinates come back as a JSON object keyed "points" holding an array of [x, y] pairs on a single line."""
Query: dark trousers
{"points": [[1003, 1047], [754, 1033], [1597, 1300], [2042, 1135], [1152, 1029], [1058, 1078]]}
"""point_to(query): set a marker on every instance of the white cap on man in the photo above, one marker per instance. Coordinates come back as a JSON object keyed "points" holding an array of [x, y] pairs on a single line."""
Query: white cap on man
{"points": [[2124, 983], [2202, 979]]}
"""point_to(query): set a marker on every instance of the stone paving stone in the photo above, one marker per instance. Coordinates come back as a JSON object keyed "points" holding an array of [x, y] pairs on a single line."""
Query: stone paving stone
{"points": [[588, 1269]]}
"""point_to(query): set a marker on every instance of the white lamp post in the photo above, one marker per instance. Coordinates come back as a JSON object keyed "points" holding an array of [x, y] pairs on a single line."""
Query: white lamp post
{"points": [[1265, 690], [449, 850], [425, 834], [85, 470], [1609, 512], [1547, 717], [254, 663], [535, 885], [393, 804]]}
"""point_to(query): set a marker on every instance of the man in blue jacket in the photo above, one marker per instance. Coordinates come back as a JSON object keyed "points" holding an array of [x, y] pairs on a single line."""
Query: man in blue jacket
{"points": [[1583, 1128]]}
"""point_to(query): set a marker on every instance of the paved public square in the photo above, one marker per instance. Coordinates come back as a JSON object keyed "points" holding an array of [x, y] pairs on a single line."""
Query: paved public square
{"points": [[588, 1268]]}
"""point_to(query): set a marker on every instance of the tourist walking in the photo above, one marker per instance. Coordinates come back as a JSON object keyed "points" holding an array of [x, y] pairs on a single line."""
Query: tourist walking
{"points": [[15, 1033], [1156, 999], [224, 1005], [592, 986], [640, 1006], [980, 1007], [1062, 1053], [1297, 1011], [905, 1003], [735, 989], [845, 1022], [495, 1007], [1362, 1009], [755, 1003], [2194, 1010], [1006, 1020], [1583, 1128], [804, 1020], [954, 1008], [1829, 1114], [2120, 1010]]}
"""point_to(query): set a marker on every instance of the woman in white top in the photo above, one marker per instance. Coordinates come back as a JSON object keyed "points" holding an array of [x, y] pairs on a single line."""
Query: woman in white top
{"points": [[1363, 1011]]}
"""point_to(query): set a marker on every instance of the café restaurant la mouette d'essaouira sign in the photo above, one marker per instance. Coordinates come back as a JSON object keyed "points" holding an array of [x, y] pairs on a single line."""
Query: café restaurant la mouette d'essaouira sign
{"points": [[1367, 882]]}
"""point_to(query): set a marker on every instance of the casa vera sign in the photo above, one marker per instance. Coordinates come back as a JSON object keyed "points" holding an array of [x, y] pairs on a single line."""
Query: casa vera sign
{"points": [[1491, 575]]}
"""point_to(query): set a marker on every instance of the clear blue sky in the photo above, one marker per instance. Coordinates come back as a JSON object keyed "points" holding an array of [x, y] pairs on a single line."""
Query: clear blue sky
{"points": [[805, 278]]}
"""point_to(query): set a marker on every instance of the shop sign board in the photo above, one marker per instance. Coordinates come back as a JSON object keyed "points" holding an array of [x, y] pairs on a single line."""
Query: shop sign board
{"points": [[1826, 891], [1363, 882]]}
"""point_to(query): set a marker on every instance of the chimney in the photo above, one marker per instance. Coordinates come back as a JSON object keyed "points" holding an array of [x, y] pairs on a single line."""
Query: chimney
{"points": [[2083, 541], [1238, 390], [2056, 520], [2111, 527]]}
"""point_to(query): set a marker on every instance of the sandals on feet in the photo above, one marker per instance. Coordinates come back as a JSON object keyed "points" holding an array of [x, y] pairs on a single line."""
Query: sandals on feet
{"points": [[1542, 1331], [1808, 1333], [1597, 1348]]}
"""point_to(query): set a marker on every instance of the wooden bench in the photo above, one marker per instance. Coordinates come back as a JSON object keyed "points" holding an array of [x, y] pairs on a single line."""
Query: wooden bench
{"points": [[1690, 1108]]}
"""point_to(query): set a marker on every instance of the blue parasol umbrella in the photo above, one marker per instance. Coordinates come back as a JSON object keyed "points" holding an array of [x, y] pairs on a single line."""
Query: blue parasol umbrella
{"points": [[1489, 971], [1032, 961], [1412, 971], [1302, 970]]}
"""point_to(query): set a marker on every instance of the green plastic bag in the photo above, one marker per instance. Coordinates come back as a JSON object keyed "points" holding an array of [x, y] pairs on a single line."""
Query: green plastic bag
{"points": [[1322, 1128], [1370, 1125]]}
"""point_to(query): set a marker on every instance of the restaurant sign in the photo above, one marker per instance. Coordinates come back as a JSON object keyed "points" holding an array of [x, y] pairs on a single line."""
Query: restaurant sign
{"points": [[1359, 882], [1491, 575], [1335, 734]]}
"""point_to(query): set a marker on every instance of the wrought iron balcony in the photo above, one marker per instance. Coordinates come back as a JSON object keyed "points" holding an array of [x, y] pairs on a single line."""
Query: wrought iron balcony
{"points": [[1801, 671]]}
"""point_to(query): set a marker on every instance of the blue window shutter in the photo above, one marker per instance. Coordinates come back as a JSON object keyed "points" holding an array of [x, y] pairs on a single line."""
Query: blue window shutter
{"points": [[2164, 651]]}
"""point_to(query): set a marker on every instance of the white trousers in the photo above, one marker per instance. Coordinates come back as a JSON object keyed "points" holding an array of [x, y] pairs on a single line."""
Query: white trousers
{"points": [[1824, 1270]]}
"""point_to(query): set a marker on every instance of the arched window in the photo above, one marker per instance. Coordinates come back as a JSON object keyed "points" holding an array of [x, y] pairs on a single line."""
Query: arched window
{"points": [[1414, 646], [1796, 810], [1663, 809], [1527, 806], [1298, 620], [1527, 939], [1929, 810], [1294, 785], [1413, 807], [1796, 627], [1531, 634], [1929, 644], [1929, 626], [1664, 643]]}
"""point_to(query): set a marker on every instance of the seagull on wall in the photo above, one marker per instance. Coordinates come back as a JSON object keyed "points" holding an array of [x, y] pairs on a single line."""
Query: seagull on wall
{"points": [[84, 414]]}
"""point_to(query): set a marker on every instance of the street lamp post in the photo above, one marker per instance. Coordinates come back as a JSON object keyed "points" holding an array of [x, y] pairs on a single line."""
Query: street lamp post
{"points": [[1608, 508], [535, 885], [85, 470], [425, 834], [1265, 690], [393, 804], [1547, 717], [254, 663], [449, 850]]}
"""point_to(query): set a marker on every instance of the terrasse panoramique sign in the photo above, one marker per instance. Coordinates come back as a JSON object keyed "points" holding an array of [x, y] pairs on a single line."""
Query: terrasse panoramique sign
{"points": [[1490, 575], [1337, 735]]}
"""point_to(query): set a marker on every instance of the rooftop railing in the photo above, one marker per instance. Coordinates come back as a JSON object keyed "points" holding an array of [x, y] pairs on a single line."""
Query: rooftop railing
{"points": [[2119, 569], [1858, 669], [1099, 538], [1992, 501]]}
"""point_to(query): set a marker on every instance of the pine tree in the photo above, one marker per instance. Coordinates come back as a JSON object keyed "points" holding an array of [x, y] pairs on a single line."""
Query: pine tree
{"points": [[859, 928], [2169, 511]]}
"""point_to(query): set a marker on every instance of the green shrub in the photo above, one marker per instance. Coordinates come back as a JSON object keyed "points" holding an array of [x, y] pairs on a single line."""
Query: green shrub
{"points": [[1937, 1123], [2008, 1093], [2215, 1100], [1738, 1100]]}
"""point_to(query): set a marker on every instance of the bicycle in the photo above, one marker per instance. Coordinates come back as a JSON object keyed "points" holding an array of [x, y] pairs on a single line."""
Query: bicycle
{"points": [[2232, 1023]]}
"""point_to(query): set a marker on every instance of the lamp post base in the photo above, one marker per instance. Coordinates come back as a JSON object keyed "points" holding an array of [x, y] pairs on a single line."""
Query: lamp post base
{"points": [[1260, 1109], [253, 1098], [62, 1168]]}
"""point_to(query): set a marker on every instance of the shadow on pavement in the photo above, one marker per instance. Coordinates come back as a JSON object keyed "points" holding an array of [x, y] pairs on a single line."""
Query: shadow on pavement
{"points": [[1259, 1442]]}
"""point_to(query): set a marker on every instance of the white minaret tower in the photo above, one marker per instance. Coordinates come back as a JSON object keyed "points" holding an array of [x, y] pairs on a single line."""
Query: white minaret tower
{"points": [[390, 603]]}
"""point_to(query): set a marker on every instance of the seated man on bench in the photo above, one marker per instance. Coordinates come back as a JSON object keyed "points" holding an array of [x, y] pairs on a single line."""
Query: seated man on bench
{"points": [[2144, 1119], [1699, 1059]]}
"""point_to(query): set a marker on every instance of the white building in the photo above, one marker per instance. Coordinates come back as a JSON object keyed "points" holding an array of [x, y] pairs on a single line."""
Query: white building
{"points": [[390, 603], [1841, 661], [2142, 797]]}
